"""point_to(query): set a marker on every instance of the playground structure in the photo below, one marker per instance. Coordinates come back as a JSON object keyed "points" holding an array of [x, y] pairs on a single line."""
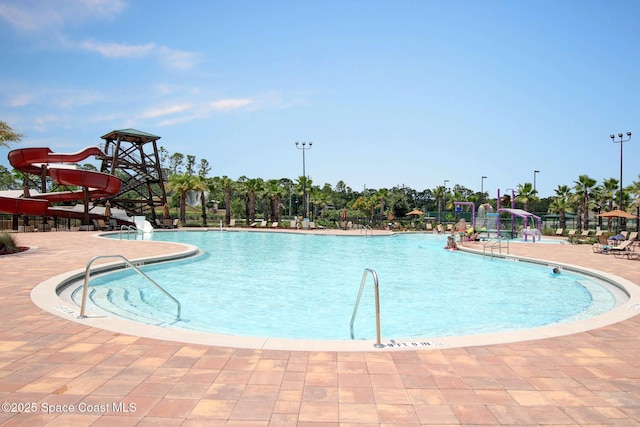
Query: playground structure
{"points": [[129, 183], [488, 223]]}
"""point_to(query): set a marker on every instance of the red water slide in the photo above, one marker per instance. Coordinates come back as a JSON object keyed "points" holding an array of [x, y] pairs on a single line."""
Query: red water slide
{"points": [[33, 160]]}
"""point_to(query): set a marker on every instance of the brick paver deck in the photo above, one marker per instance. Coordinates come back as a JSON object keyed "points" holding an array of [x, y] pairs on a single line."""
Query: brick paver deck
{"points": [[86, 376]]}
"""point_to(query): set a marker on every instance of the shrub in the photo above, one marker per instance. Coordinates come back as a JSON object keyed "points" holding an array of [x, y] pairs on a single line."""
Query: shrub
{"points": [[7, 244]]}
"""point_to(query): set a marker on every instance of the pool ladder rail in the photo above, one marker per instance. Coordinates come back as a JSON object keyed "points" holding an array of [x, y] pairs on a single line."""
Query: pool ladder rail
{"points": [[87, 275], [128, 229], [499, 243], [378, 344]]}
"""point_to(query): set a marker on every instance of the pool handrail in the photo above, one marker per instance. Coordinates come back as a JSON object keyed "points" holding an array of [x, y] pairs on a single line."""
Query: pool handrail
{"points": [[377, 298], [87, 274], [129, 229], [493, 243], [365, 228]]}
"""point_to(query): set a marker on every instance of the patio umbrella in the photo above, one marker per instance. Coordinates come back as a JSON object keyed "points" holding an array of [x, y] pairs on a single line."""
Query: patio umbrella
{"points": [[617, 213], [107, 209], [165, 211], [416, 212]]}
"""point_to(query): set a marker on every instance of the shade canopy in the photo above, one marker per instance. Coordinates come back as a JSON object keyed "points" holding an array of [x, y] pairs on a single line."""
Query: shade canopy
{"points": [[416, 212], [617, 213]]}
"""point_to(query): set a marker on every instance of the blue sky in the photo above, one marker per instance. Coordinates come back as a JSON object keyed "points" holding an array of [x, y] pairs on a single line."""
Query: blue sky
{"points": [[390, 92]]}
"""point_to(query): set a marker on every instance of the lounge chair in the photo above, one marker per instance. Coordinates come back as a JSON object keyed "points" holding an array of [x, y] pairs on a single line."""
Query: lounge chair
{"points": [[429, 227], [585, 233], [599, 233], [312, 225], [633, 236], [292, 223], [274, 224], [232, 222], [99, 226], [602, 247], [253, 224], [625, 249], [559, 231], [263, 224]]}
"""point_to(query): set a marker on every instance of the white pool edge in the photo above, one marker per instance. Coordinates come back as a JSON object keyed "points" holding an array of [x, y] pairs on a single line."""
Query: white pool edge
{"points": [[45, 296]]}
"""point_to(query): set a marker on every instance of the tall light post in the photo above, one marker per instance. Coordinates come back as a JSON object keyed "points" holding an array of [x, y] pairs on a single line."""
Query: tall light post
{"points": [[534, 189], [444, 197], [482, 189], [305, 205], [638, 215], [613, 138]]}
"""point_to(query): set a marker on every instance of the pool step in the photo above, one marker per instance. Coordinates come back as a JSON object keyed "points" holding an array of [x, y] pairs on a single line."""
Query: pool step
{"points": [[127, 304]]}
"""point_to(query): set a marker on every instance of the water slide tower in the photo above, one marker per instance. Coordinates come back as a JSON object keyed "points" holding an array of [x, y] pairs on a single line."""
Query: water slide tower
{"points": [[132, 155]]}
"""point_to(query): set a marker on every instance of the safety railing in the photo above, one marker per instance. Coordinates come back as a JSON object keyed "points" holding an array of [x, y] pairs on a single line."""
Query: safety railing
{"points": [[378, 344], [87, 275], [366, 230], [128, 229], [499, 243]]}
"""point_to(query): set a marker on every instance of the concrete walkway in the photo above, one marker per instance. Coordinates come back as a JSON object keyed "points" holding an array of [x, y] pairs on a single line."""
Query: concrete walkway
{"points": [[87, 376]]}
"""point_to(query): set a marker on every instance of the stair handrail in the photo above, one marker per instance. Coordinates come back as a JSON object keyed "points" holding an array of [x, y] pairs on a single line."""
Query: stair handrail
{"points": [[378, 344], [493, 243], [128, 229], [87, 275], [366, 227]]}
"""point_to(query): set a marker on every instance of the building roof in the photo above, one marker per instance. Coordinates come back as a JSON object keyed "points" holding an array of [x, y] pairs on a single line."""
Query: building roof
{"points": [[130, 135]]}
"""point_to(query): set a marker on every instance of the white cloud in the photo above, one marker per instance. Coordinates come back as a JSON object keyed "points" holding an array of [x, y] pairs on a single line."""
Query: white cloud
{"points": [[46, 15], [230, 104], [170, 57], [20, 100], [118, 50], [169, 110]]}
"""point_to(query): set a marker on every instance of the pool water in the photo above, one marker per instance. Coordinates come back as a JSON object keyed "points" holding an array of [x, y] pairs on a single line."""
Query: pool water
{"points": [[305, 287]]}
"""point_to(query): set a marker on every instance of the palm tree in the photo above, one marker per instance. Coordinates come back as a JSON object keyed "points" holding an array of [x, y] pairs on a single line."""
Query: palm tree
{"points": [[583, 187], [250, 186], [561, 204], [382, 195], [608, 193], [182, 184], [526, 194], [201, 186], [635, 190], [274, 192], [227, 185], [439, 193]]}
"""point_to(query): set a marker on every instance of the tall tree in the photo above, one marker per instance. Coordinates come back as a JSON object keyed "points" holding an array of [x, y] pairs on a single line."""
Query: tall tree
{"points": [[8, 135], [607, 195], [228, 186], [182, 184], [176, 160], [526, 194], [583, 187], [561, 204]]}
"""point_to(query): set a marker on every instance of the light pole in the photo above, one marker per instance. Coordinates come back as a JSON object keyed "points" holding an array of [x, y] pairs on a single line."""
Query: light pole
{"points": [[444, 197], [534, 189], [638, 215], [613, 138], [482, 189], [304, 148]]}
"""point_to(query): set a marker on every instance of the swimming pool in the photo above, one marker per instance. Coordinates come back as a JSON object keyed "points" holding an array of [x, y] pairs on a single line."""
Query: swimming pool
{"points": [[304, 287]]}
